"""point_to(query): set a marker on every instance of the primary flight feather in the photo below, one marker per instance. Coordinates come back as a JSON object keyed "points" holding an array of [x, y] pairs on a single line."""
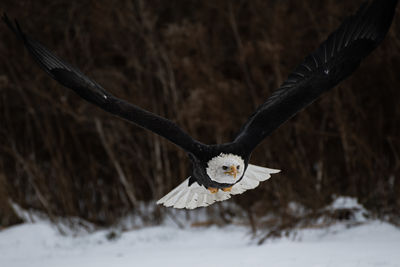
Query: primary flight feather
{"points": [[222, 170]]}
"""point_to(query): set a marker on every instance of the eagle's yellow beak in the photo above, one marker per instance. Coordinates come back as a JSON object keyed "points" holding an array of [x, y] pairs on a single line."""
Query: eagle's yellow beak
{"points": [[232, 171]]}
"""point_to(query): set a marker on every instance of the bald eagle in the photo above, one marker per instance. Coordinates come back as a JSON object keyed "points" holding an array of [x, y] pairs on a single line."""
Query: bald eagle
{"points": [[222, 170]]}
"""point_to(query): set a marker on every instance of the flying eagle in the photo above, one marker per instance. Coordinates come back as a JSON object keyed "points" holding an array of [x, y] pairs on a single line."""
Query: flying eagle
{"points": [[222, 170]]}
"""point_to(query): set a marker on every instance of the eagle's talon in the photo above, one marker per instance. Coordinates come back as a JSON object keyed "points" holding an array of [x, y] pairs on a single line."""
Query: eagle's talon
{"points": [[227, 189], [213, 190]]}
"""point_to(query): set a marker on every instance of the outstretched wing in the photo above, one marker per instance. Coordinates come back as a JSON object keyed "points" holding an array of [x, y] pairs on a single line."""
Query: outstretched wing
{"points": [[92, 92], [332, 62]]}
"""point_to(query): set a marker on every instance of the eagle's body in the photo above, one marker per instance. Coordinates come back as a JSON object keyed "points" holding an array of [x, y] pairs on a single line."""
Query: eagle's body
{"points": [[223, 169], [202, 160]]}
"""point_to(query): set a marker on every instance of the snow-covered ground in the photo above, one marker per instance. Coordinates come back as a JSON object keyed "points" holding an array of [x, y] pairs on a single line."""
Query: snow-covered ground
{"points": [[373, 243], [38, 244]]}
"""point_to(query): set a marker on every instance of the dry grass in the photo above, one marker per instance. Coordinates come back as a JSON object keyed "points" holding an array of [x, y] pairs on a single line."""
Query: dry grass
{"points": [[184, 60]]}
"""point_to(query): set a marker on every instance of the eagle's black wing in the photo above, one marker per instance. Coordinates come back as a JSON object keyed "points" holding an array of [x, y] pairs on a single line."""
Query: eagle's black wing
{"points": [[72, 78], [332, 62]]}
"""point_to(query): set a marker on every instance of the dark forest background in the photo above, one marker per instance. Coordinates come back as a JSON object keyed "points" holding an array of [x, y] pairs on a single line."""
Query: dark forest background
{"points": [[205, 65]]}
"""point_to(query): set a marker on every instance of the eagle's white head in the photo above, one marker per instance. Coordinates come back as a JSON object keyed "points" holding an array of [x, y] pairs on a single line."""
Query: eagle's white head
{"points": [[225, 168]]}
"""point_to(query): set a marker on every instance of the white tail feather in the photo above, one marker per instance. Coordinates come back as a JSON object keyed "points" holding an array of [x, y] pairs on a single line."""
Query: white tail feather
{"points": [[194, 196]]}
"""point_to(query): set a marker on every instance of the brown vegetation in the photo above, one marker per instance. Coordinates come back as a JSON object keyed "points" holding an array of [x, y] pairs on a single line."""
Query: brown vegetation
{"points": [[205, 65]]}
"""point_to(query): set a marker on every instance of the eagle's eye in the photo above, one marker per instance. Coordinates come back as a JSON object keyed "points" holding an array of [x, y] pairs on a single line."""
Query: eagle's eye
{"points": [[238, 167], [224, 168]]}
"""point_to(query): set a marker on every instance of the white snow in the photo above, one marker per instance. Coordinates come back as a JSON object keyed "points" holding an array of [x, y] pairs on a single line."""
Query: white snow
{"points": [[355, 242], [346, 203], [373, 243]]}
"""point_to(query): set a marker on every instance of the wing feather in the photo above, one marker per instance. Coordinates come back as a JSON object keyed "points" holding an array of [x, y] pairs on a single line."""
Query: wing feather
{"points": [[92, 92], [335, 59]]}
